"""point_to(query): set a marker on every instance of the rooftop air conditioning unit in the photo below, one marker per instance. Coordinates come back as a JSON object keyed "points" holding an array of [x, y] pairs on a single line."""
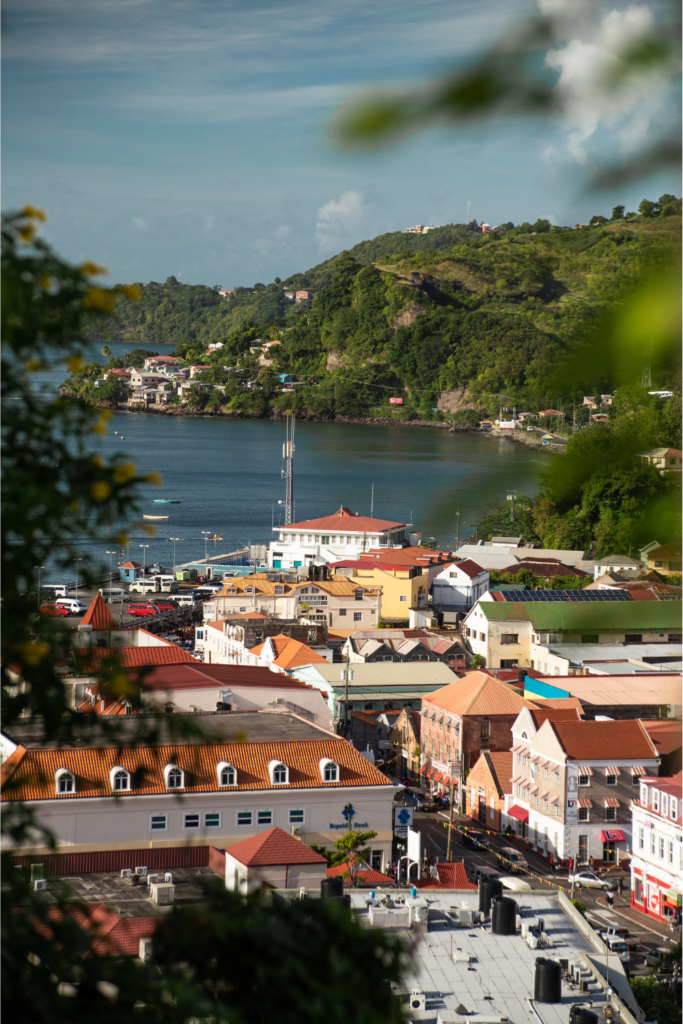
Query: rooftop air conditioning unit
{"points": [[40, 884], [418, 1000], [168, 877], [146, 948], [126, 872], [296, 830], [152, 879], [141, 871]]}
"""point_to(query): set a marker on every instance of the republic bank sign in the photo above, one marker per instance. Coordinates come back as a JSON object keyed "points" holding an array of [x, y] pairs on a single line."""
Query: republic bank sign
{"points": [[348, 813]]}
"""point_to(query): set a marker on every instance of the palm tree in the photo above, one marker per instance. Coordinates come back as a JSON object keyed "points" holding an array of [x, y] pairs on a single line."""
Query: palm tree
{"points": [[106, 351]]}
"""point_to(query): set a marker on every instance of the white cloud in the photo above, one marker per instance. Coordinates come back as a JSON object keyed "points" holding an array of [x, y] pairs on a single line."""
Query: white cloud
{"points": [[337, 218], [585, 66]]}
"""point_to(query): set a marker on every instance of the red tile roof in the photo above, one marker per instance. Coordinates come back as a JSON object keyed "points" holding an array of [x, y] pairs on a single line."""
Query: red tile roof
{"points": [[555, 715], [469, 567], [451, 876], [98, 615], [290, 653], [666, 736], [110, 935], [273, 848], [130, 565], [187, 676], [478, 694], [344, 521], [605, 741], [501, 769], [366, 876], [32, 772], [90, 659], [544, 567]]}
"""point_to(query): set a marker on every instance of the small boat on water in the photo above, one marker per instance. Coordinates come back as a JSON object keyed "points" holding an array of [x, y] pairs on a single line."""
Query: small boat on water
{"points": [[155, 517], [215, 536], [167, 501]]}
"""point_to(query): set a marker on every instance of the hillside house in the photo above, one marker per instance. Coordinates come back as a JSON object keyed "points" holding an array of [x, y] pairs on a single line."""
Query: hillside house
{"points": [[457, 587], [666, 460]]}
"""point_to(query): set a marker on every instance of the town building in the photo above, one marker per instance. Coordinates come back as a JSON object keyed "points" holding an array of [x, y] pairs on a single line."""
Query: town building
{"points": [[545, 568], [418, 557], [370, 730], [403, 586], [401, 645], [573, 783], [283, 654], [551, 414], [664, 557], [302, 296], [457, 587], [405, 735], [657, 848], [666, 460], [161, 362], [615, 563], [614, 692], [487, 784], [147, 379], [639, 589], [288, 773], [501, 552], [229, 641], [530, 634], [273, 858], [331, 538]]}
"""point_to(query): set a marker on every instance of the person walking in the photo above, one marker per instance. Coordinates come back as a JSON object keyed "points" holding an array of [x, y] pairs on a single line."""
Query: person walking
{"points": [[610, 899], [620, 886]]}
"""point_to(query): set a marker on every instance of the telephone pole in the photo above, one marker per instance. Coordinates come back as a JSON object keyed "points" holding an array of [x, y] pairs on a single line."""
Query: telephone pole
{"points": [[288, 471]]}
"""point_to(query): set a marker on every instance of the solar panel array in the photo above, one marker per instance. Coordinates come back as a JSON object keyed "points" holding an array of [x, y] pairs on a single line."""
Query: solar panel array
{"points": [[564, 595]]}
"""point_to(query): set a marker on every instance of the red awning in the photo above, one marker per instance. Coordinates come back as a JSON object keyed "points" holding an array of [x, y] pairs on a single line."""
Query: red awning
{"points": [[519, 813], [438, 777], [431, 773], [447, 780], [614, 836]]}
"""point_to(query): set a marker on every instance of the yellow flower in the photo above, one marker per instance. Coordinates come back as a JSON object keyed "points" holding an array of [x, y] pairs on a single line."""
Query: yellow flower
{"points": [[44, 281], [148, 529], [93, 269], [100, 298], [35, 364], [121, 539], [154, 478], [98, 461], [27, 232], [123, 473], [75, 363], [74, 506], [131, 291], [35, 212], [100, 490]]}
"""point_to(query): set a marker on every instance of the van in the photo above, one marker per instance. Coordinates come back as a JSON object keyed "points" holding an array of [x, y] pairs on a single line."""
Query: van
{"points": [[515, 861], [73, 605], [113, 594], [167, 584], [184, 601], [144, 587], [55, 590]]}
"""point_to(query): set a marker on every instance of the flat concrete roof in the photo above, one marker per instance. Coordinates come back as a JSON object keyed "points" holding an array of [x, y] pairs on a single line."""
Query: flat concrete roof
{"points": [[617, 686], [580, 654], [133, 900]]}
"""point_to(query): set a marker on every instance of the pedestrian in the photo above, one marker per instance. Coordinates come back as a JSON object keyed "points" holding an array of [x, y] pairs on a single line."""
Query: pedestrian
{"points": [[591, 864], [620, 886], [610, 899], [552, 862]]}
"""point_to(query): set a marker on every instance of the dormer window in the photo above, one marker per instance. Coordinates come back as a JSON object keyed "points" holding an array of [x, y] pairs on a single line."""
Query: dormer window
{"points": [[227, 774], [119, 780], [248, 590], [279, 773], [65, 781], [674, 808], [643, 795], [329, 770], [665, 805], [174, 777], [279, 589], [655, 800]]}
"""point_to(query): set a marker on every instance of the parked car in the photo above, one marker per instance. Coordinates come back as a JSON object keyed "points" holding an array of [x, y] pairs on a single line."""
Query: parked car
{"points": [[516, 861], [619, 947], [186, 600], [141, 610], [52, 608], [620, 933], [473, 839], [426, 804], [144, 587], [655, 958], [591, 881], [114, 594], [165, 606]]}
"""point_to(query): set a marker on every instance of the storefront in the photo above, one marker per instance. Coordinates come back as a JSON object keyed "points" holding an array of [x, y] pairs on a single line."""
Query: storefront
{"points": [[610, 839], [656, 898], [520, 816]]}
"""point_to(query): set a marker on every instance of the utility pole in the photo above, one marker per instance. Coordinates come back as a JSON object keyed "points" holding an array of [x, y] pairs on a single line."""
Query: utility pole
{"points": [[288, 471], [468, 211], [77, 561], [111, 572], [174, 539], [455, 767], [457, 529], [511, 498]]}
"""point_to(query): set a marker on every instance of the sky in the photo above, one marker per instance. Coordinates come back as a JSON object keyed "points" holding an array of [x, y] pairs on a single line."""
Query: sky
{"points": [[191, 137]]}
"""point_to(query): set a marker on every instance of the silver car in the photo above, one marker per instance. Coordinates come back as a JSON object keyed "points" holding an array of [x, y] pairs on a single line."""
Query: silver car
{"points": [[589, 880]]}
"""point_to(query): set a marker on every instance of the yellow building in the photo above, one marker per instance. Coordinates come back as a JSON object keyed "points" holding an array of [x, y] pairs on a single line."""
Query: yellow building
{"points": [[403, 586]]}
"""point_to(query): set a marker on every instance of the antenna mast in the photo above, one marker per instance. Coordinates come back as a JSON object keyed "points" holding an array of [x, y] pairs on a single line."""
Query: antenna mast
{"points": [[288, 471], [468, 211]]}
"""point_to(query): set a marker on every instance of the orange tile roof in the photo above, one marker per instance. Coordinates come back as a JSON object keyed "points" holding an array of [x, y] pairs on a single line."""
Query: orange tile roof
{"points": [[559, 702], [451, 876], [344, 521], [30, 773], [605, 741], [367, 876], [273, 847], [666, 736], [554, 714], [478, 694], [290, 653], [98, 615], [501, 769], [90, 659]]}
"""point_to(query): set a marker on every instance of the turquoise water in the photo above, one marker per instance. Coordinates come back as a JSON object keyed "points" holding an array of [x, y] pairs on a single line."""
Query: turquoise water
{"points": [[227, 475]]}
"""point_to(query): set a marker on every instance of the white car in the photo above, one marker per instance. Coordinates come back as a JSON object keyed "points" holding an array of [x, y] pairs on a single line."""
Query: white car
{"points": [[589, 880], [515, 883]]}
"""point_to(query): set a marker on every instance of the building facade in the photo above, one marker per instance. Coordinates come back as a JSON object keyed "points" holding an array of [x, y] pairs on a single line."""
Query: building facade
{"points": [[405, 736], [657, 849], [487, 784], [403, 587], [332, 538], [457, 587]]}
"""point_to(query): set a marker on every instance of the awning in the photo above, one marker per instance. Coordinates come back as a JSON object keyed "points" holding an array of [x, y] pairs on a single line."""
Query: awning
{"points": [[612, 770], [438, 777], [637, 769], [543, 795], [517, 780], [431, 773], [533, 789], [583, 769], [585, 803], [519, 813], [614, 836], [447, 780], [423, 770], [536, 757], [611, 801], [554, 799]]}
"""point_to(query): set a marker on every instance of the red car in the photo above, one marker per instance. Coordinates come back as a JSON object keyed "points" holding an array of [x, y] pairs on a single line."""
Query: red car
{"points": [[166, 607], [142, 609], [50, 608]]}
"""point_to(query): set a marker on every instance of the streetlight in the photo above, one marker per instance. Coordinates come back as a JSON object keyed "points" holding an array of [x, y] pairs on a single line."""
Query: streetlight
{"points": [[144, 557], [174, 539], [111, 572], [457, 529], [39, 568], [77, 561], [476, 532], [206, 534]]}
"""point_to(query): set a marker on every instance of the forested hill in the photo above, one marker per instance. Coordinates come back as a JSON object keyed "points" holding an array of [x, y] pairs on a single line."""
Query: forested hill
{"points": [[451, 309]]}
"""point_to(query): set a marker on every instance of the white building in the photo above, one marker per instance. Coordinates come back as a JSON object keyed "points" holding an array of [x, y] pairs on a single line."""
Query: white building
{"points": [[458, 586], [657, 851], [573, 782], [342, 535]]}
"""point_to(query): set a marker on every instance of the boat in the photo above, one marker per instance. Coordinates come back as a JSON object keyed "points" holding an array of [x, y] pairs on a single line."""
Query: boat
{"points": [[215, 536], [155, 517], [167, 501]]}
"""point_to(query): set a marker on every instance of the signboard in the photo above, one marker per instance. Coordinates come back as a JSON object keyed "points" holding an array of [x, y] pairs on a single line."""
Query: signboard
{"points": [[395, 401], [415, 846], [572, 816], [674, 899], [403, 820], [384, 744]]}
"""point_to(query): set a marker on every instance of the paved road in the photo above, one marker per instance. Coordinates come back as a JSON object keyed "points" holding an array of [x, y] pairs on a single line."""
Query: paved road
{"points": [[434, 833]]}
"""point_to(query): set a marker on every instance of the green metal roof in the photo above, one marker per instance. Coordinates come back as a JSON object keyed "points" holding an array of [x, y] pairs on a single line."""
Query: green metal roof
{"points": [[607, 617]]}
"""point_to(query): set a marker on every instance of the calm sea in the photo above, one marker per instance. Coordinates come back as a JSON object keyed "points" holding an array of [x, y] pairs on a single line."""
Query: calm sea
{"points": [[227, 475]]}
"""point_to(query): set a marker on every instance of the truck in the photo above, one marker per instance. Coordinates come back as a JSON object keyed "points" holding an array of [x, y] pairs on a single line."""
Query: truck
{"points": [[620, 934]]}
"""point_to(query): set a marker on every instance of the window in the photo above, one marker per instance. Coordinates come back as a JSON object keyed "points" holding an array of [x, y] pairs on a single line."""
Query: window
{"points": [[583, 814], [279, 773], [342, 611], [376, 860], [403, 597], [248, 590], [120, 780], [665, 805], [509, 663], [296, 816], [674, 808], [671, 851], [485, 728], [509, 638], [653, 843], [557, 810], [441, 752], [655, 800], [330, 772], [661, 848], [545, 806], [590, 638], [264, 817], [610, 780], [279, 590], [519, 758], [546, 773], [482, 636], [635, 779], [610, 814], [644, 794], [66, 782], [212, 819], [227, 775], [245, 818], [584, 780], [535, 801], [174, 777], [433, 747], [633, 638], [191, 821], [358, 595], [158, 822], [357, 616], [324, 540]]}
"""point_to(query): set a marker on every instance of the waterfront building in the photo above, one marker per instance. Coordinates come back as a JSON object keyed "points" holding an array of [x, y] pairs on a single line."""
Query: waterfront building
{"points": [[657, 848], [457, 587], [573, 783], [331, 538]]}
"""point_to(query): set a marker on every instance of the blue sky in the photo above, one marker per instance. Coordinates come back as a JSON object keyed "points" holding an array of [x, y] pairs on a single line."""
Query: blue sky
{"points": [[190, 137]]}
